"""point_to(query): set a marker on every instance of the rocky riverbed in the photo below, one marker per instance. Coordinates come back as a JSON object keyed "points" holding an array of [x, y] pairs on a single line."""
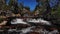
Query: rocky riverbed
{"points": [[31, 26]]}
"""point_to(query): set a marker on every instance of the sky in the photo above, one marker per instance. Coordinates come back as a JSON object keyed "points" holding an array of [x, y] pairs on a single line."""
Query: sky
{"points": [[53, 3], [32, 3]]}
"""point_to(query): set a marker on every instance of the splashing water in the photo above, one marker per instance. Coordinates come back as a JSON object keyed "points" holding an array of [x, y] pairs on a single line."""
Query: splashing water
{"points": [[40, 21], [18, 21]]}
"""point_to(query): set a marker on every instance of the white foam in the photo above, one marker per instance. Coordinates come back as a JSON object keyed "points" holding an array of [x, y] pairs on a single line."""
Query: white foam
{"points": [[18, 21], [27, 29], [40, 21]]}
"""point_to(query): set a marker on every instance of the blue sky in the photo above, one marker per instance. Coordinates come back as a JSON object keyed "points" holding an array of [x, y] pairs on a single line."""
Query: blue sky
{"points": [[32, 3], [53, 2]]}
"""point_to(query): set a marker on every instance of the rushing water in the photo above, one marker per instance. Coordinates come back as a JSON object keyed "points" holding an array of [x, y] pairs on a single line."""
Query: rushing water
{"points": [[17, 21], [29, 29], [39, 21], [39, 29]]}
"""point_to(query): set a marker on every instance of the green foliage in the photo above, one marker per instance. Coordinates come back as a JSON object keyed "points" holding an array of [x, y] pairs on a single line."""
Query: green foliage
{"points": [[54, 13], [11, 2], [58, 11]]}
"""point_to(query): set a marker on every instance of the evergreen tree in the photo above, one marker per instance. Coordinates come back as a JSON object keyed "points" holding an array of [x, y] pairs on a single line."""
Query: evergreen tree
{"points": [[44, 8], [14, 6]]}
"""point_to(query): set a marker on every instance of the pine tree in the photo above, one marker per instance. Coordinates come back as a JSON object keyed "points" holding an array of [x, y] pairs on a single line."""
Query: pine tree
{"points": [[44, 8], [14, 6]]}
